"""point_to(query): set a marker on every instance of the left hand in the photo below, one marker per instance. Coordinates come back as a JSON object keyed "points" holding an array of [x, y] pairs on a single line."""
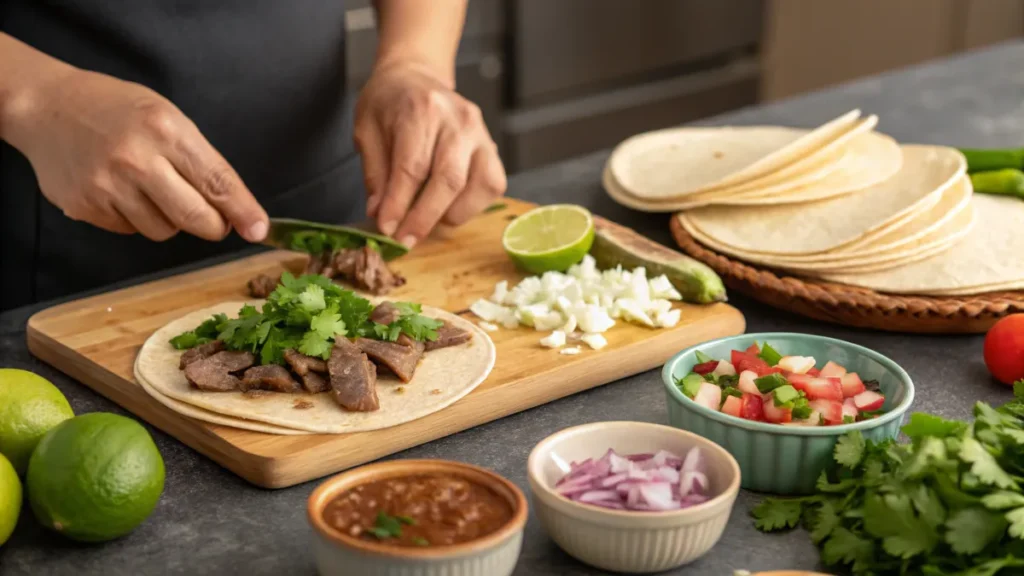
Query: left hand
{"points": [[415, 132]]}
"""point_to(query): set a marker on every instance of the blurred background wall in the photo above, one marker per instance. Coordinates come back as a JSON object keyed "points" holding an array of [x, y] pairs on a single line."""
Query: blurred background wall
{"points": [[560, 78]]}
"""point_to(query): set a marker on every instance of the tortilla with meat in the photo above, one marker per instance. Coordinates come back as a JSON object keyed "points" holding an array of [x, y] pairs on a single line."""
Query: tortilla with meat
{"points": [[442, 377]]}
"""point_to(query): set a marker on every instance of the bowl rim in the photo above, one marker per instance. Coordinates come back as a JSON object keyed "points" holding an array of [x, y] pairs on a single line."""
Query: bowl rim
{"points": [[890, 364], [326, 491], [723, 498]]}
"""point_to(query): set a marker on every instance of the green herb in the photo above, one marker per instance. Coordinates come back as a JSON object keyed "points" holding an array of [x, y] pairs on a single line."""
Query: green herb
{"points": [[801, 408], [732, 391], [702, 357], [318, 242], [690, 384], [306, 314], [948, 503], [847, 419], [406, 520], [770, 382], [784, 395], [769, 355], [387, 526], [495, 207], [420, 541], [729, 380]]}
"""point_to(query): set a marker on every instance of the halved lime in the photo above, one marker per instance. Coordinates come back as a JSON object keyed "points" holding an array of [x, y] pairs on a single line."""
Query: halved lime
{"points": [[549, 238]]}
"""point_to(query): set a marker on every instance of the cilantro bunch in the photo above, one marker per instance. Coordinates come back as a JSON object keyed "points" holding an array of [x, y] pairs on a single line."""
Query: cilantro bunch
{"points": [[306, 313], [949, 503]]}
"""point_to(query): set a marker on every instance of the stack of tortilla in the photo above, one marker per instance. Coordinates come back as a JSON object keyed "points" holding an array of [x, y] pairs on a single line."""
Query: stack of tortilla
{"points": [[840, 203], [442, 377]]}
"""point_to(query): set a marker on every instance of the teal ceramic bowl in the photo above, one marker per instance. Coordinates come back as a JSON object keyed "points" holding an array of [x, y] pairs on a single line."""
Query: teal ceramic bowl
{"points": [[787, 459]]}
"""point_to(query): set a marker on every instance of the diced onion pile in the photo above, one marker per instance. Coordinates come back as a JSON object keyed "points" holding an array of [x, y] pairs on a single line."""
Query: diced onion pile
{"points": [[638, 482], [584, 299]]}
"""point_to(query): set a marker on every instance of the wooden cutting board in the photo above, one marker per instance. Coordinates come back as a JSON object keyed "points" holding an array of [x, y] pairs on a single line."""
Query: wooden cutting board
{"points": [[95, 340]]}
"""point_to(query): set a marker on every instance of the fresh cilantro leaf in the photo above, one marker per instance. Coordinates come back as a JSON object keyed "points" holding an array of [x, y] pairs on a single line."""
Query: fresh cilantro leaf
{"points": [[1013, 435], [891, 518], [1018, 389], [929, 451], [312, 299], [380, 533], [408, 308], [989, 416], [971, 530], [992, 567], [389, 524], [823, 485], [354, 310], [420, 541], [419, 327], [1002, 500], [849, 450], [824, 521], [185, 340], [314, 344], [204, 333], [769, 355], [922, 424], [928, 505], [777, 514], [801, 408], [984, 465], [1016, 520], [327, 323], [845, 547]]}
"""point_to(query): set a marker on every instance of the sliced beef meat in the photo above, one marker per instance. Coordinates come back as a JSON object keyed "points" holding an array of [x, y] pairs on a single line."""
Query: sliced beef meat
{"points": [[366, 268], [315, 383], [261, 286], [353, 377], [316, 263], [385, 313], [270, 377], [394, 356], [200, 352], [448, 335], [302, 364], [213, 374]]}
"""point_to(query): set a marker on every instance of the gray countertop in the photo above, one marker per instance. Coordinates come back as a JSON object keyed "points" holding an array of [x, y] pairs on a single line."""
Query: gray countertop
{"points": [[212, 522]]}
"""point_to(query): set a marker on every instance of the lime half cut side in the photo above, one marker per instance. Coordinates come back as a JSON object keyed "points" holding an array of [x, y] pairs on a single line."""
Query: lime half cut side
{"points": [[549, 238]]}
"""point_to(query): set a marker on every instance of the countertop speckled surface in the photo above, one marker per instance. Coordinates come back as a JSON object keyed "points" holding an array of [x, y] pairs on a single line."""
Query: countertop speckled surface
{"points": [[211, 522]]}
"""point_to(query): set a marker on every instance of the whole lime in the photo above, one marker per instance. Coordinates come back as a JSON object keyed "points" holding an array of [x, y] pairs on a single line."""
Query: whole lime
{"points": [[29, 407], [95, 477], [10, 499]]}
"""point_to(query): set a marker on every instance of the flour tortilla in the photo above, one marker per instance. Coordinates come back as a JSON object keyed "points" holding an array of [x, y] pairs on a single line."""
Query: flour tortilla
{"points": [[677, 162], [815, 227], [453, 372], [988, 258]]}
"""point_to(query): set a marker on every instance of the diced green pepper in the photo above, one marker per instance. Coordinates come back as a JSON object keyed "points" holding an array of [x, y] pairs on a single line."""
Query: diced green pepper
{"points": [[785, 394], [769, 355], [732, 391], [801, 409], [690, 384], [770, 382], [1007, 182], [702, 357]]}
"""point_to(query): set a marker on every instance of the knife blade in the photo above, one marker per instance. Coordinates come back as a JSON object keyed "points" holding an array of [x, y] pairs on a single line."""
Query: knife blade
{"points": [[305, 236]]}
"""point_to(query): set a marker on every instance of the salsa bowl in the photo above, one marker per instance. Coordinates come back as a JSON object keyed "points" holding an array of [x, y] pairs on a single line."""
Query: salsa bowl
{"points": [[338, 552], [621, 540], [777, 458]]}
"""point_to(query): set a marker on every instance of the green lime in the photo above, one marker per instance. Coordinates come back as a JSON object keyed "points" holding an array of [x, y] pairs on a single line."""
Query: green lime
{"points": [[29, 407], [549, 238], [95, 477], [10, 499]]}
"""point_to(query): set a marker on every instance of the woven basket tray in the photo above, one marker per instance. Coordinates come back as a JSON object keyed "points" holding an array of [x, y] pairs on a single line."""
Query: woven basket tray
{"points": [[851, 306]]}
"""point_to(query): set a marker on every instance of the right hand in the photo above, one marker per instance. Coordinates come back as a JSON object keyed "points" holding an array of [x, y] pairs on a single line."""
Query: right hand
{"points": [[121, 157]]}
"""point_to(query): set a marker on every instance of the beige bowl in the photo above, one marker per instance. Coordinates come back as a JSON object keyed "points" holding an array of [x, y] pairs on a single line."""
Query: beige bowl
{"points": [[339, 554], [622, 541]]}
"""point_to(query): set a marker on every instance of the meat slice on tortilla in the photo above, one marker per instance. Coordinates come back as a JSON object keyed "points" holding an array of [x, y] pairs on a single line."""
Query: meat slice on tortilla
{"points": [[302, 364], [448, 335], [353, 377], [200, 352], [262, 285], [214, 374], [366, 268], [385, 313], [315, 383], [270, 377], [396, 357]]}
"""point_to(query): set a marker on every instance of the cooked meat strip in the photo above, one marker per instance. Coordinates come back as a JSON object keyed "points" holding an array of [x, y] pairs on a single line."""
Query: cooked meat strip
{"points": [[270, 377], [315, 383], [302, 364], [394, 356], [404, 340], [385, 313], [213, 374], [344, 261], [316, 263], [262, 285], [448, 335], [365, 268], [200, 352], [353, 377]]}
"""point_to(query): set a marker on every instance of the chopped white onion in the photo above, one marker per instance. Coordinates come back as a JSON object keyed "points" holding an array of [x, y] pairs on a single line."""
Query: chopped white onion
{"points": [[554, 340], [487, 326], [595, 341], [572, 351]]}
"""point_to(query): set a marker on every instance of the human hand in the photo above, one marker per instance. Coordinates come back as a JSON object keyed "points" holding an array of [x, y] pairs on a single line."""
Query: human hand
{"points": [[119, 156], [414, 131]]}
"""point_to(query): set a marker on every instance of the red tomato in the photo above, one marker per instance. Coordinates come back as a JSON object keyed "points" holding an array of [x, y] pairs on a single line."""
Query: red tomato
{"points": [[814, 372], [753, 408], [746, 361], [773, 413], [733, 406], [830, 410], [817, 388], [1004, 349], [852, 384], [706, 367], [753, 350]]}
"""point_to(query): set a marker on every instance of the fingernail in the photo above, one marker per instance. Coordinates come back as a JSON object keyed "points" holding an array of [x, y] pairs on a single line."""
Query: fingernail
{"points": [[388, 228], [257, 232], [409, 240]]}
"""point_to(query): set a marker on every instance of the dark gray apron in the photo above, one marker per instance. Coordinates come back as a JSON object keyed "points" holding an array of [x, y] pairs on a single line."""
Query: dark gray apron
{"points": [[263, 80]]}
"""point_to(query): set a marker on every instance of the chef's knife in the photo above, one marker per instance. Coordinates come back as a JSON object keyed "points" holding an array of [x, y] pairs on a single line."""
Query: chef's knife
{"points": [[314, 237]]}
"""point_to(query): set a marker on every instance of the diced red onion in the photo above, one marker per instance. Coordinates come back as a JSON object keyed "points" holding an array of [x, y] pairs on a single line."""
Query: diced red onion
{"points": [[639, 457], [692, 482], [599, 495], [613, 480]]}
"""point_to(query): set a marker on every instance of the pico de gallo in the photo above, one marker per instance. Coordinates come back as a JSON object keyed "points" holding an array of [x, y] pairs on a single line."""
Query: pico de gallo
{"points": [[762, 385]]}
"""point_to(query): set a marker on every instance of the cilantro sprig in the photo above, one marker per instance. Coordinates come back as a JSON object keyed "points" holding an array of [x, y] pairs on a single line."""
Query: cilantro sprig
{"points": [[949, 503], [306, 314]]}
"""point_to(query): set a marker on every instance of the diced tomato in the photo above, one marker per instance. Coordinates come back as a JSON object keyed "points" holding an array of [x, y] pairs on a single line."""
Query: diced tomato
{"points": [[817, 388], [832, 370], [753, 349], [706, 367], [753, 407], [831, 410], [746, 361], [709, 396], [868, 401], [732, 406], [813, 372], [773, 413], [849, 408], [746, 383], [852, 384]]}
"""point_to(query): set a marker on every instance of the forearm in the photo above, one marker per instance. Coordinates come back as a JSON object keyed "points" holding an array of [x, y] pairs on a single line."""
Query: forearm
{"points": [[23, 71], [425, 32]]}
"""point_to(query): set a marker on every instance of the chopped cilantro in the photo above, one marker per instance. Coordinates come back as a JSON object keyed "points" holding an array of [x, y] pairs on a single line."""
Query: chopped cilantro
{"points": [[849, 449], [729, 380], [420, 541], [847, 419], [769, 355], [732, 391], [776, 514], [387, 526]]}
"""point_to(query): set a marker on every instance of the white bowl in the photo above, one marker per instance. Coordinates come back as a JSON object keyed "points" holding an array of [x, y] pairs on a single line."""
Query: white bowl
{"points": [[623, 541], [338, 554]]}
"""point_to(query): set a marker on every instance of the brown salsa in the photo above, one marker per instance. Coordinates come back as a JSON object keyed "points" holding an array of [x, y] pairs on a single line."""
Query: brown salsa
{"points": [[420, 510]]}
